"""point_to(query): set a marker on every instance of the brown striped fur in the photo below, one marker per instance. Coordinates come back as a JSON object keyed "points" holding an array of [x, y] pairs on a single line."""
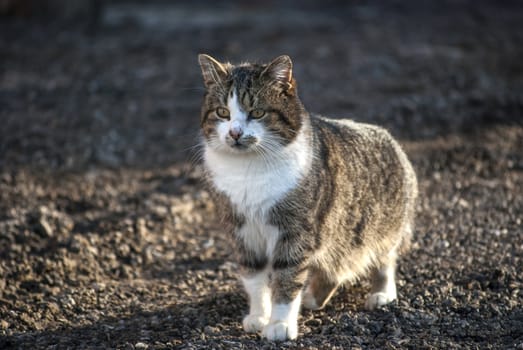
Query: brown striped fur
{"points": [[351, 212]]}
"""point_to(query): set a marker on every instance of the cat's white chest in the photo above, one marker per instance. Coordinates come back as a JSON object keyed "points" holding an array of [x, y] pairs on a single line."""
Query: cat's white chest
{"points": [[254, 184], [253, 187], [249, 183]]}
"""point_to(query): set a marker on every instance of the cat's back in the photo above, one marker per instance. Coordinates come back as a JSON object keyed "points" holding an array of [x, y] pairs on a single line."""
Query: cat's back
{"points": [[365, 154], [355, 142], [346, 132]]}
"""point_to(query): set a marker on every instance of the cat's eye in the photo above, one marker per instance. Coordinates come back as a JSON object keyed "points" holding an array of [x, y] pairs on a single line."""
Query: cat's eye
{"points": [[257, 113], [222, 112]]}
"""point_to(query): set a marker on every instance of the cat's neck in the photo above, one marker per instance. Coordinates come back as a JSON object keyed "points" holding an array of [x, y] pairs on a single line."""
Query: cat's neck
{"points": [[254, 183]]}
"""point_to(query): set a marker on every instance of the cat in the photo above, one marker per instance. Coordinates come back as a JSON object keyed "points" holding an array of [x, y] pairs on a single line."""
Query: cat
{"points": [[311, 202]]}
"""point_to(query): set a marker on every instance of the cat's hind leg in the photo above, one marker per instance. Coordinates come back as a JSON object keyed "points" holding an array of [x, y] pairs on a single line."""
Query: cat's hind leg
{"points": [[257, 287], [383, 284], [319, 290]]}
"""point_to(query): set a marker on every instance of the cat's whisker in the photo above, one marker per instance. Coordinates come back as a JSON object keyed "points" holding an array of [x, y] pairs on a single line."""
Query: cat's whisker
{"points": [[266, 161], [197, 157], [294, 202], [266, 156], [271, 150]]}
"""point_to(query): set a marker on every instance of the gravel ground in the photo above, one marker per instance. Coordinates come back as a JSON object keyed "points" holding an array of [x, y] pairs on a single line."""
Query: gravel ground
{"points": [[108, 239]]}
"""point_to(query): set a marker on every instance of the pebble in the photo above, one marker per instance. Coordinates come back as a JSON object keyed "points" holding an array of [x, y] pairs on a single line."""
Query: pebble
{"points": [[315, 322], [209, 330], [43, 228], [53, 307]]}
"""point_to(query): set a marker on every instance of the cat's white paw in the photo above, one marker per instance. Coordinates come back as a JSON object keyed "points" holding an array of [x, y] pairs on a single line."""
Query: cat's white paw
{"points": [[254, 323], [376, 300], [280, 331]]}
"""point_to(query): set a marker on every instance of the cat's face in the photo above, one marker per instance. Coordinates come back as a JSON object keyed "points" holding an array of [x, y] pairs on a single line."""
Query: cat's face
{"points": [[249, 108]]}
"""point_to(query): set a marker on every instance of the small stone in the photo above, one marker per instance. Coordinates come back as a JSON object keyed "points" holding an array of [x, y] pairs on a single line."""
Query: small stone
{"points": [[315, 322], [208, 243], [210, 330], [141, 345], [4, 324], [160, 211], [53, 307], [443, 244], [68, 301], [98, 286], [463, 203], [65, 223], [43, 228]]}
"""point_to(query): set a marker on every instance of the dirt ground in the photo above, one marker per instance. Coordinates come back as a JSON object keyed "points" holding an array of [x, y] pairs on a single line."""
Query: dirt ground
{"points": [[108, 239]]}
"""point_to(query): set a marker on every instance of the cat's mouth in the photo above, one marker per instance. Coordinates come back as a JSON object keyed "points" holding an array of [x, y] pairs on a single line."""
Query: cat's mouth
{"points": [[238, 144], [243, 144]]}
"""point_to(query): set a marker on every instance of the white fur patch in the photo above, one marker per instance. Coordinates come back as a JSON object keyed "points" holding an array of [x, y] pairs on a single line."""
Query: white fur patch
{"points": [[284, 321], [388, 291], [237, 114], [257, 288], [255, 183], [260, 237]]}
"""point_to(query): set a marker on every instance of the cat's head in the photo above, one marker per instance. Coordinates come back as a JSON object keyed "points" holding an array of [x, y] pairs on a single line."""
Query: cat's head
{"points": [[249, 108]]}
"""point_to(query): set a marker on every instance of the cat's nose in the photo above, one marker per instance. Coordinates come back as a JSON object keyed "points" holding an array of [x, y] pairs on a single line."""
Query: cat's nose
{"points": [[235, 133]]}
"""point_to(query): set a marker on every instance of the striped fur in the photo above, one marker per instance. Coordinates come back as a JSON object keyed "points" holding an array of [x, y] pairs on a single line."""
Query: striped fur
{"points": [[312, 202]]}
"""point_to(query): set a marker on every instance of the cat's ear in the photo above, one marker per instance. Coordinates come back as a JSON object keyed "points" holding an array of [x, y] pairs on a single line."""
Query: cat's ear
{"points": [[213, 71], [280, 71]]}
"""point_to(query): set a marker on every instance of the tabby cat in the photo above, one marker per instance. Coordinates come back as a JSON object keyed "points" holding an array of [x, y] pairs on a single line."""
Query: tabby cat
{"points": [[312, 202]]}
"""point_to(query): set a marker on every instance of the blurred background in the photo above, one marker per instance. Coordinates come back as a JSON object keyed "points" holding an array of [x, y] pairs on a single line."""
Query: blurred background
{"points": [[117, 82], [107, 237]]}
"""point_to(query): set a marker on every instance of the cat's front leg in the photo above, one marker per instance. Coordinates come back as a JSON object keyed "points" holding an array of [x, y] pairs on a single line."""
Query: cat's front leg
{"points": [[286, 285], [256, 283]]}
